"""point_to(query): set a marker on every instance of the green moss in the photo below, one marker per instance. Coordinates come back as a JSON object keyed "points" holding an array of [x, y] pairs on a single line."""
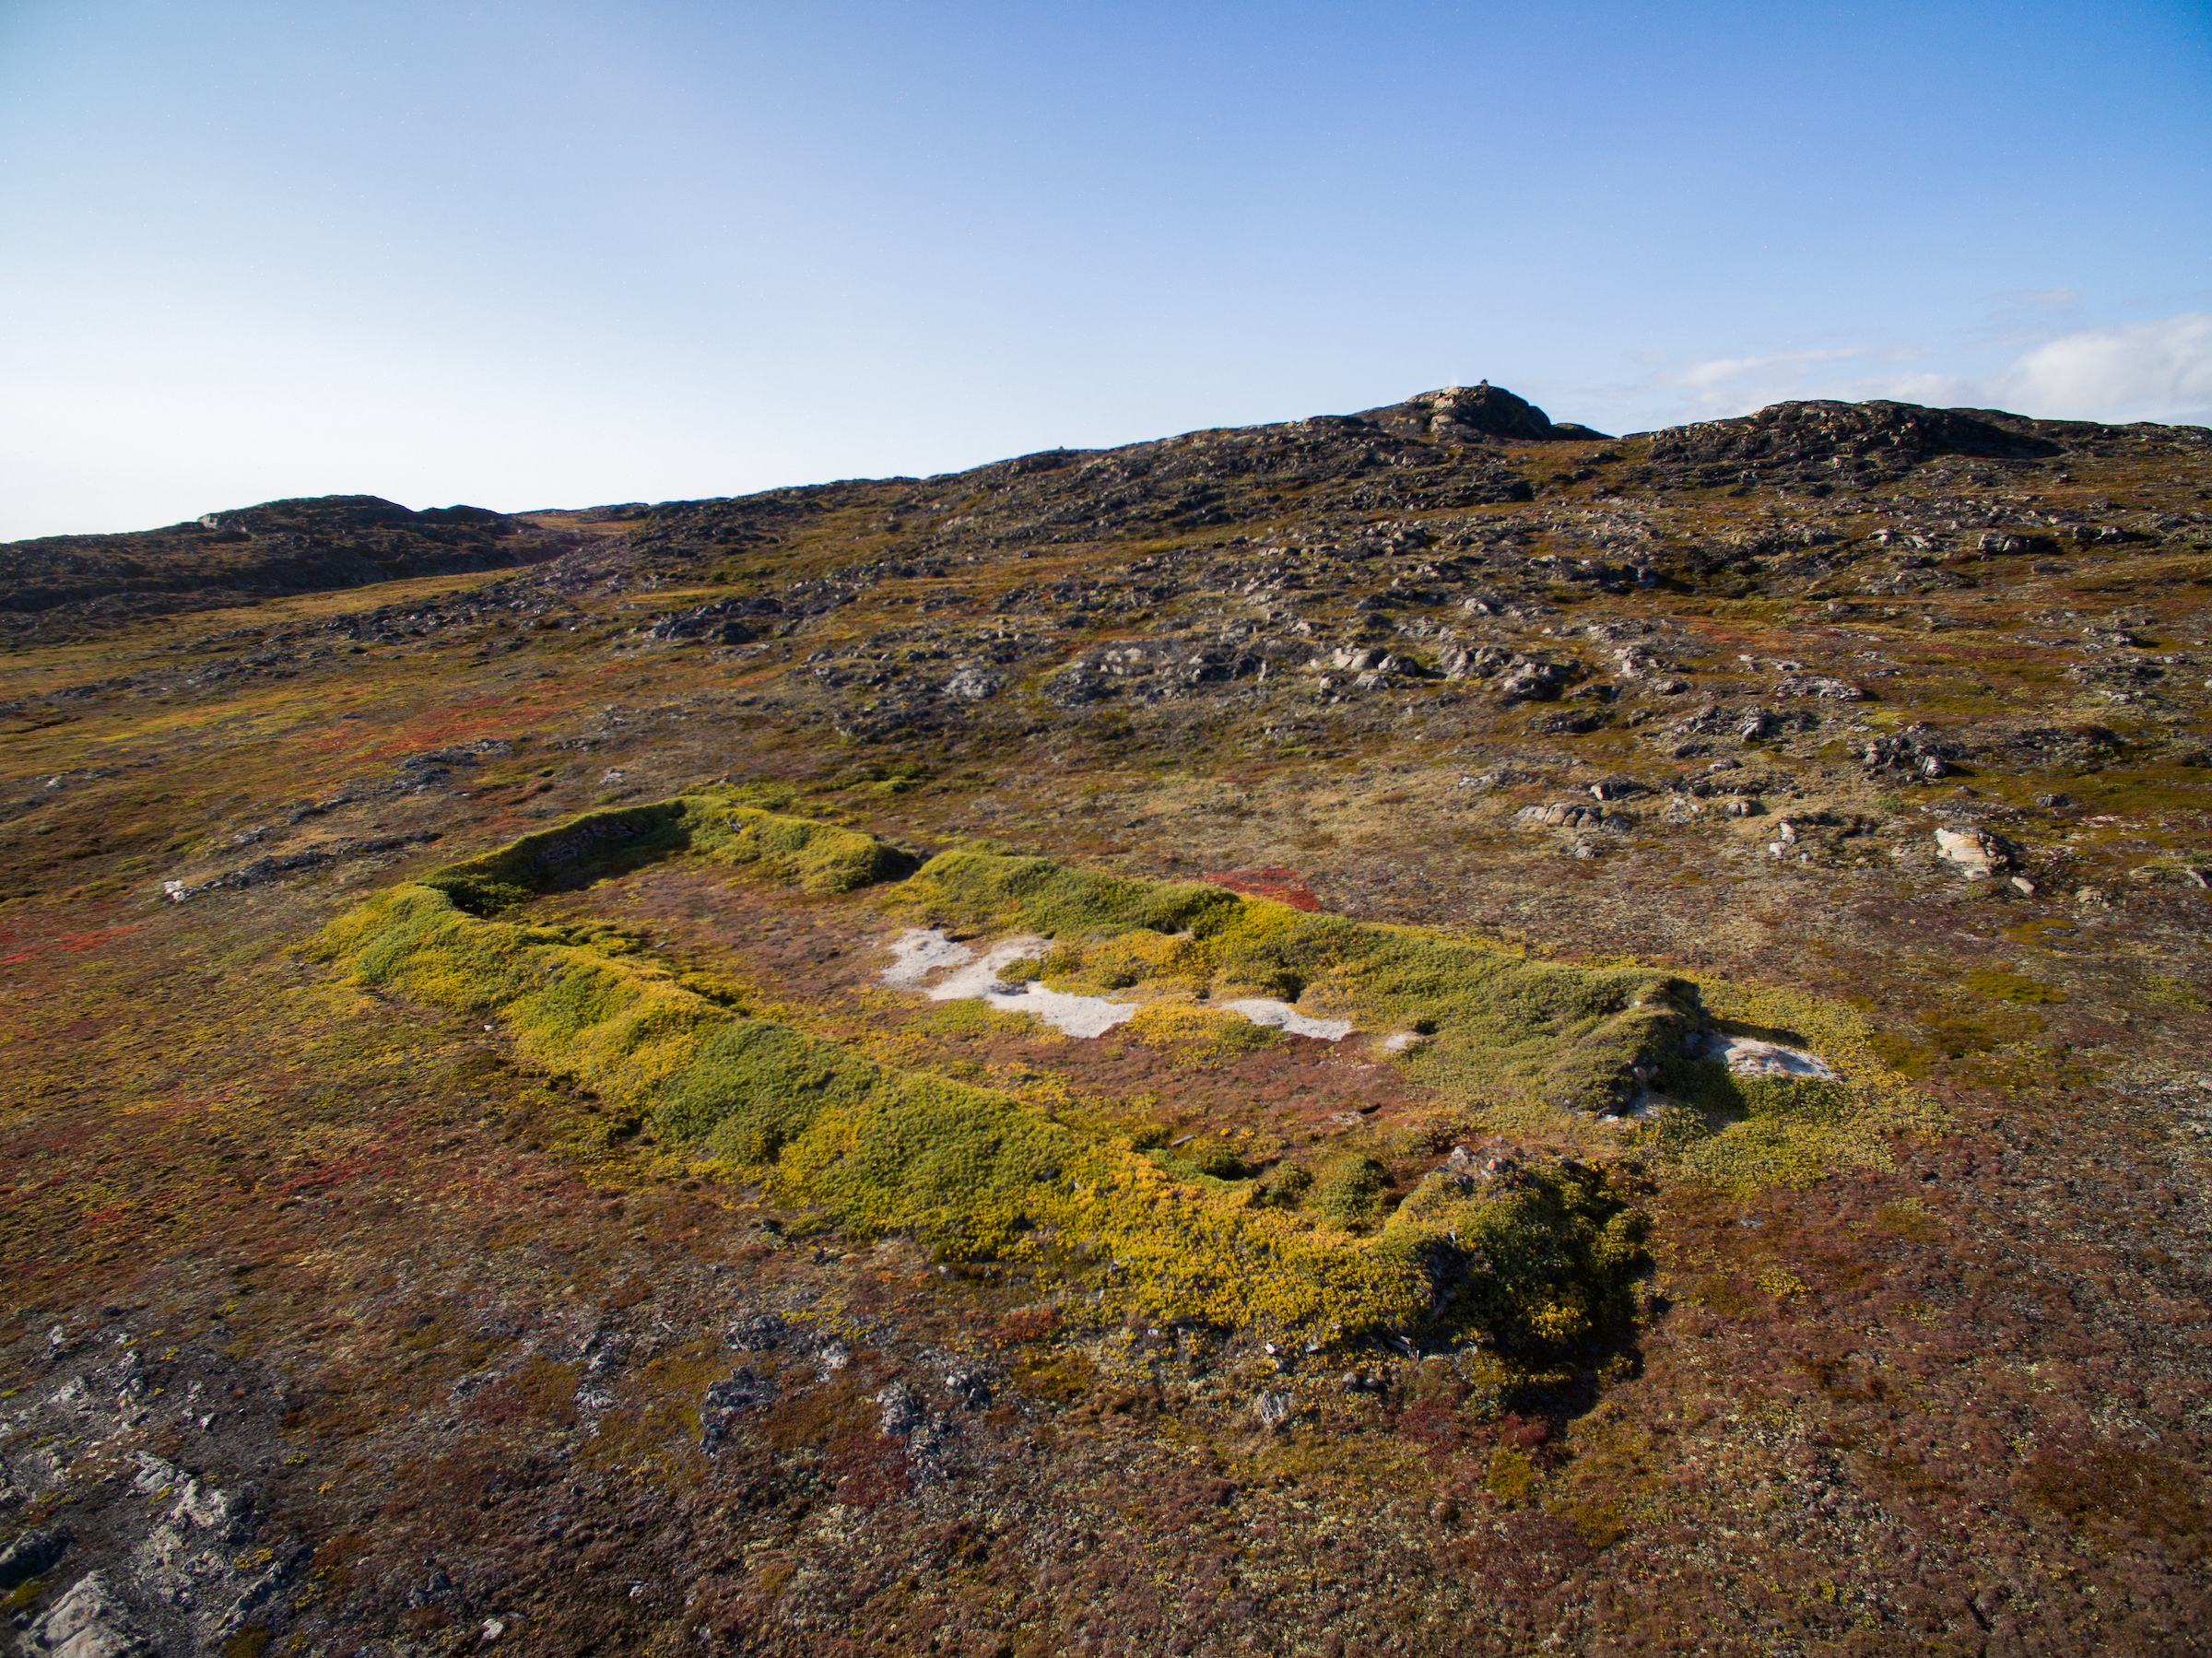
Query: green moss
{"points": [[970, 1170], [1350, 1196], [1052, 899], [1197, 1036], [1222, 1160], [878, 1149], [1538, 1265], [2011, 987], [1503, 1027], [817, 857], [499, 880], [1512, 1477], [1284, 1186], [1745, 1132]]}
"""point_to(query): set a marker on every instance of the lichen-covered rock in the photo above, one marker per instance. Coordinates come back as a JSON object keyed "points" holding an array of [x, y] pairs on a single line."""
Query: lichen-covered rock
{"points": [[1470, 415], [1844, 440], [1975, 850]]}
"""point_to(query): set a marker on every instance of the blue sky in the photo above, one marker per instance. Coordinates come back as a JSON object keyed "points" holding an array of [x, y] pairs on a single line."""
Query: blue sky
{"points": [[554, 253]]}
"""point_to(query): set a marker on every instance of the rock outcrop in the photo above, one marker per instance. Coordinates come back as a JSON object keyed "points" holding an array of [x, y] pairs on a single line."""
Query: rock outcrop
{"points": [[308, 544], [1828, 441], [1471, 414]]}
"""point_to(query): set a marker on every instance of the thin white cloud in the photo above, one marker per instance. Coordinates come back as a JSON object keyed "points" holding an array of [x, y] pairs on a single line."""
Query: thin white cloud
{"points": [[2041, 299], [2159, 370], [2154, 371], [1722, 370]]}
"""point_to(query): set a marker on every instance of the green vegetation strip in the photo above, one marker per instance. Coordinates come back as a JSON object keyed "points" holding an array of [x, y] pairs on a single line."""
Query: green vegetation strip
{"points": [[1538, 1264], [1496, 1027], [1514, 1045]]}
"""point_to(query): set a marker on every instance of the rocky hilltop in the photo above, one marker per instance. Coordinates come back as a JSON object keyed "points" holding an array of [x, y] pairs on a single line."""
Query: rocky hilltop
{"points": [[1420, 1031]]}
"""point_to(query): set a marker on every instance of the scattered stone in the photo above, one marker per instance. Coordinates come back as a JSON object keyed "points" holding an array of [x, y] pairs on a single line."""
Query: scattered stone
{"points": [[1830, 690], [1975, 850], [1748, 1056], [89, 1622], [30, 1555], [1265, 1010], [1573, 814], [1916, 749], [974, 683], [266, 869], [1565, 725]]}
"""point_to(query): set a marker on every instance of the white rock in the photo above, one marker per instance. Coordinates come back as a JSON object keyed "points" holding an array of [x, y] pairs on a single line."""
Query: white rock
{"points": [[1265, 1010], [1069, 1014], [917, 953], [89, 1622], [1976, 852], [979, 977], [1748, 1056], [920, 952]]}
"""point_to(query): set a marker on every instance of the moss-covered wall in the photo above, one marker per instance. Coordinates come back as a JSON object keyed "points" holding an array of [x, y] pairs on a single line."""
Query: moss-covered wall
{"points": [[1501, 1029], [1535, 1266]]}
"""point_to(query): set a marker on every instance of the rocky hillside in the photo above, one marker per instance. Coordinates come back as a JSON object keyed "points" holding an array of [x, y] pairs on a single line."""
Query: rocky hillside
{"points": [[1423, 1031], [58, 582]]}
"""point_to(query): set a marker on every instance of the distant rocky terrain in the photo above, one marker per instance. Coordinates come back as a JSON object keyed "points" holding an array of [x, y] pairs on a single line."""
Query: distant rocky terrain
{"points": [[1422, 1031], [57, 583]]}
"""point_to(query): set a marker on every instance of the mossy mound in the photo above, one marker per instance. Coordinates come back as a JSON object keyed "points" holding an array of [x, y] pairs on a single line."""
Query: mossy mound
{"points": [[881, 1150], [1501, 1029], [1538, 1262], [1509, 1041], [1542, 1265], [1745, 1132]]}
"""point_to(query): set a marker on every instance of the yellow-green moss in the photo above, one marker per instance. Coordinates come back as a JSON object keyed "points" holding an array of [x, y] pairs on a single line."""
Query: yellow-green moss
{"points": [[881, 1149], [1195, 1034], [1540, 1265], [2012, 987], [816, 857], [1745, 1133], [1501, 1028]]}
